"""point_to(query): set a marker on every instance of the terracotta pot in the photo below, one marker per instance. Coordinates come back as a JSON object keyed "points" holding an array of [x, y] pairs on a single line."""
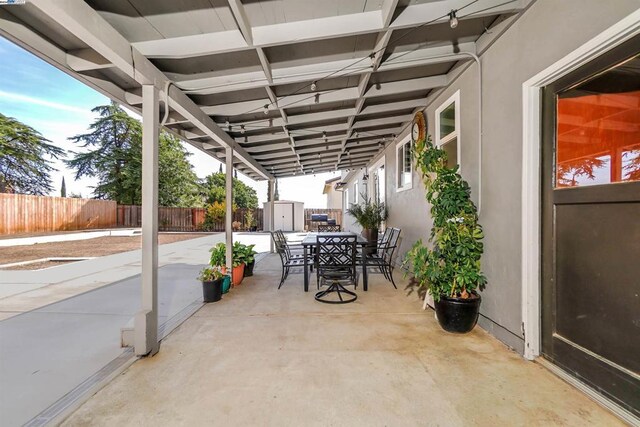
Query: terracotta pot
{"points": [[237, 274]]}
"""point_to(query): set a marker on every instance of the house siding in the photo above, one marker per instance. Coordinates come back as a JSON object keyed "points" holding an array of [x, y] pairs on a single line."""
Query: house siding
{"points": [[547, 31]]}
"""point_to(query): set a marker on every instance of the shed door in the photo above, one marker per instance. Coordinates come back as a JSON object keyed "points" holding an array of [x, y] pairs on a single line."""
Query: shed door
{"points": [[591, 225], [283, 216]]}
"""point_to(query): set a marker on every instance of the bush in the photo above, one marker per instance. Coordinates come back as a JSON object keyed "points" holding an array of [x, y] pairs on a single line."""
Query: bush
{"points": [[451, 265]]}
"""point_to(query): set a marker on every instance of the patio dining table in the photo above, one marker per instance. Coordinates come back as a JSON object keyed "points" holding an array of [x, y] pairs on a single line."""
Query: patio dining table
{"points": [[310, 241]]}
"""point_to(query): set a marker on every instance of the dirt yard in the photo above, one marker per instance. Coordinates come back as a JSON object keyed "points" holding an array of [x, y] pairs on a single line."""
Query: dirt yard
{"points": [[99, 246]]}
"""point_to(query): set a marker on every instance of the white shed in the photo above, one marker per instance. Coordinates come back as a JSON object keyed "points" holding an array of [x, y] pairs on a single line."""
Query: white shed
{"points": [[287, 215]]}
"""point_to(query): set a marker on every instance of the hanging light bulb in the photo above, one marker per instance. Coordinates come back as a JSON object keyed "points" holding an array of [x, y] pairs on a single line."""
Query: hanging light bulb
{"points": [[314, 86], [453, 19], [242, 129], [317, 98], [355, 134], [226, 123], [266, 108], [230, 128]]}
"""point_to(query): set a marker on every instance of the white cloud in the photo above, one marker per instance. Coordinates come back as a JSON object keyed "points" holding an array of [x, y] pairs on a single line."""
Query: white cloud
{"points": [[43, 102]]}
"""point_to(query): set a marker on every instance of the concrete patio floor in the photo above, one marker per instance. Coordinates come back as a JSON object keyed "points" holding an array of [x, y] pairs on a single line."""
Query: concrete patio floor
{"points": [[263, 356]]}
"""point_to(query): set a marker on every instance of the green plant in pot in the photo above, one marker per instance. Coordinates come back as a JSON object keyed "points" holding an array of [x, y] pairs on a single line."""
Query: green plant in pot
{"points": [[250, 260], [369, 215], [212, 279], [449, 268]]}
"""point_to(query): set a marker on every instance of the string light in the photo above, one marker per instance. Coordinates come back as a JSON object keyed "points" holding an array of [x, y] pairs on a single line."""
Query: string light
{"points": [[242, 129], [266, 108], [373, 54], [317, 98], [453, 19], [314, 86]]}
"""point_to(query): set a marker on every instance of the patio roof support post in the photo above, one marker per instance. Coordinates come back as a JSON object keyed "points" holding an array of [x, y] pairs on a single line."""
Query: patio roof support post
{"points": [[146, 320], [272, 185], [228, 218]]}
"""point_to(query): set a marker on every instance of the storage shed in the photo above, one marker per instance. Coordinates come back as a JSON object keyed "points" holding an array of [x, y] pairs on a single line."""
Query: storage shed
{"points": [[287, 215]]}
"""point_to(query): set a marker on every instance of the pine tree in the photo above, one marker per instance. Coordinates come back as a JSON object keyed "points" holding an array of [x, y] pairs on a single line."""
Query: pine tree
{"points": [[115, 158], [25, 158], [63, 188]]}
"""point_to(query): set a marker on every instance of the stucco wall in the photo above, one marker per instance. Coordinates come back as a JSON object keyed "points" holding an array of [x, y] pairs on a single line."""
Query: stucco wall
{"points": [[334, 199], [546, 32]]}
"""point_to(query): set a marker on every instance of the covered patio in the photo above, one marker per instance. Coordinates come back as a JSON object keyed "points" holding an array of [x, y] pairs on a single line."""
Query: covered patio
{"points": [[263, 356], [279, 88]]}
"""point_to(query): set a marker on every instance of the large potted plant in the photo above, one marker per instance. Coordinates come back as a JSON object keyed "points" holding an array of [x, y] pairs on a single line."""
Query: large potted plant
{"points": [[212, 279], [369, 215], [449, 268], [250, 259]]}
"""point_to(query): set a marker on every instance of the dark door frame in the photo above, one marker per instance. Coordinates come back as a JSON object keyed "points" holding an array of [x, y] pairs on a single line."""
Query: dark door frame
{"points": [[613, 36], [592, 369]]}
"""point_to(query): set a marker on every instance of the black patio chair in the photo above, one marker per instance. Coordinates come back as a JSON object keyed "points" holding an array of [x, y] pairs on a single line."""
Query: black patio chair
{"points": [[329, 228], [336, 268], [288, 257], [383, 259]]}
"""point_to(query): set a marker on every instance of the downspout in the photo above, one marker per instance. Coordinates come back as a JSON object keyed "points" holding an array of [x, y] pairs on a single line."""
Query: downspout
{"points": [[477, 59]]}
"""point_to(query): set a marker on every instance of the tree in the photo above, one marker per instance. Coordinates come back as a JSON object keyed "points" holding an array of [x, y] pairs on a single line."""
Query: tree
{"points": [[24, 166], [110, 145], [115, 158], [63, 189], [214, 190], [276, 194], [177, 183]]}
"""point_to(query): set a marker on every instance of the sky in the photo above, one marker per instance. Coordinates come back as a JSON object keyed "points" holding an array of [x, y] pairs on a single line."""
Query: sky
{"points": [[59, 106]]}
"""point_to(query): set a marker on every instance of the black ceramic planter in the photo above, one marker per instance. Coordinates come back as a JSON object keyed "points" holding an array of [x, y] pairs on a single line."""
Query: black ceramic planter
{"points": [[458, 315], [372, 237], [212, 291], [248, 269]]}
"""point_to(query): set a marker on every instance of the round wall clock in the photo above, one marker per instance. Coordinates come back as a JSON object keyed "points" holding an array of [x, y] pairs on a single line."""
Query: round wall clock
{"points": [[419, 127]]}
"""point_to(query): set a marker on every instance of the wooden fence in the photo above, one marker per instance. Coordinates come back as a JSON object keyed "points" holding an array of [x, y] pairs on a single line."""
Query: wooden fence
{"points": [[331, 214], [182, 219], [21, 213]]}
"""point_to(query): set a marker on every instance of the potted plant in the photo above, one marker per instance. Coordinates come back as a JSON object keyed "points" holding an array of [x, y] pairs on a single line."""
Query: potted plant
{"points": [[212, 279], [250, 260], [369, 215], [450, 267], [219, 256]]}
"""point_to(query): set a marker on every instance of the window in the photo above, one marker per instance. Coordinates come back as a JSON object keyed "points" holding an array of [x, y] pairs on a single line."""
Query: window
{"points": [[356, 193], [597, 132], [448, 129], [404, 167]]}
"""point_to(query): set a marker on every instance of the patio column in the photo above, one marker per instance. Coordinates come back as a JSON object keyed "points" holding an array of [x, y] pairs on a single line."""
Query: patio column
{"points": [[228, 218], [146, 320], [271, 211]]}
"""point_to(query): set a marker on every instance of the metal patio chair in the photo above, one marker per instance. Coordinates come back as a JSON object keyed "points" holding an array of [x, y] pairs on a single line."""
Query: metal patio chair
{"points": [[383, 258], [336, 268], [288, 256], [329, 228]]}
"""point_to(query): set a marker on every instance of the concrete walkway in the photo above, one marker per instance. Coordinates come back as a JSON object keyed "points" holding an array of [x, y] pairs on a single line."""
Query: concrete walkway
{"points": [[59, 335], [263, 356], [23, 291]]}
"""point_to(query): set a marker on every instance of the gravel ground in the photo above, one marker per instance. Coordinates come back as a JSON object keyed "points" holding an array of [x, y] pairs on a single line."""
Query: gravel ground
{"points": [[99, 246]]}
